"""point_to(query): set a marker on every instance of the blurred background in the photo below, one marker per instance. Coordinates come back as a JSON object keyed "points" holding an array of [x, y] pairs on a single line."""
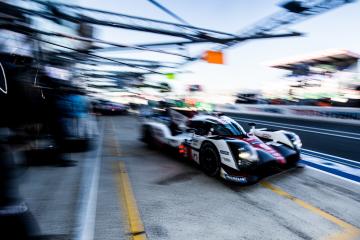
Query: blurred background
{"points": [[65, 64]]}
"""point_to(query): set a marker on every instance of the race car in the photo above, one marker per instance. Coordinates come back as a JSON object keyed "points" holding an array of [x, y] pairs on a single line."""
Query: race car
{"points": [[221, 147]]}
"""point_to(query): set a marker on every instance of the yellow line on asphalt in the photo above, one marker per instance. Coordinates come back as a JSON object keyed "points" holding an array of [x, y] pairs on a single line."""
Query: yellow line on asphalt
{"points": [[115, 142], [132, 215], [350, 232]]}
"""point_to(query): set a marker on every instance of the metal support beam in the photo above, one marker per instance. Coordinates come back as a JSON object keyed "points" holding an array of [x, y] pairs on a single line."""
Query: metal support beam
{"points": [[225, 41]]}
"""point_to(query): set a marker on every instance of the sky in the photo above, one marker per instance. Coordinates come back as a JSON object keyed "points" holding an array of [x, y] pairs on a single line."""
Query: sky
{"points": [[246, 65]]}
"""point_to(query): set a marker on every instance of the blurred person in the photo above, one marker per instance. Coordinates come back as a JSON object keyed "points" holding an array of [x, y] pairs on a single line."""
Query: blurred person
{"points": [[17, 104], [16, 220], [75, 108], [69, 120], [58, 108]]}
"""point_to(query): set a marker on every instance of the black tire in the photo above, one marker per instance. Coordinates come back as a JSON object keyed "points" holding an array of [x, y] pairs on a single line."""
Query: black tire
{"points": [[210, 160], [146, 135], [148, 138], [293, 160]]}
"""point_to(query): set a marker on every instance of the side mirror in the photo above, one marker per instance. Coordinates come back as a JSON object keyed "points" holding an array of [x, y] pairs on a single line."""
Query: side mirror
{"points": [[252, 127]]}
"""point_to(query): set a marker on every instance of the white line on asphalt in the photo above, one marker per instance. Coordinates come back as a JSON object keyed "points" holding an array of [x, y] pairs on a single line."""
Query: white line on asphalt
{"points": [[331, 160], [333, 175], [313, 128], [88, 194], [296, 128], [329, 155]]}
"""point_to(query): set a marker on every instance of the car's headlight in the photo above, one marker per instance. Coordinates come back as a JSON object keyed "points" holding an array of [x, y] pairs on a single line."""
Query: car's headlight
{"points": [[247, 153], [244, 155]]}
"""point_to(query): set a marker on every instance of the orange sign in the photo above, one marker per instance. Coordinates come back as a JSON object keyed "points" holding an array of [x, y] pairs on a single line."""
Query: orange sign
{"points": [[216, 57]]}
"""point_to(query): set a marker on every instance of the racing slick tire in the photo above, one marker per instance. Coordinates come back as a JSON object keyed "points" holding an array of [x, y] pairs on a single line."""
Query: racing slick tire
{"points": [[210, 160], [147, 137], [150, 140], [293, 160]]}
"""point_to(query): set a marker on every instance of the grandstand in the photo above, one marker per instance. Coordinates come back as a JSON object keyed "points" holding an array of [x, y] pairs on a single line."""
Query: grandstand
{"points": [[330, 76]]}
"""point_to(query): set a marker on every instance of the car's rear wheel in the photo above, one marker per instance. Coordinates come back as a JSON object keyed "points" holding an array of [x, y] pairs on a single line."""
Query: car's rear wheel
{"points": [[148, 137], [210, 160]]}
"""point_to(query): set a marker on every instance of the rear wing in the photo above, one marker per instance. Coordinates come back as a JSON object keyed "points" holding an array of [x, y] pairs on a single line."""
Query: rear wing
{"points": [[179, 118]]}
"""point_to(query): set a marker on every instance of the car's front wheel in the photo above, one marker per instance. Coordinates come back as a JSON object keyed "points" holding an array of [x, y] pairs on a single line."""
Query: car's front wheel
{"points": [[210, 160], [293, 160]]}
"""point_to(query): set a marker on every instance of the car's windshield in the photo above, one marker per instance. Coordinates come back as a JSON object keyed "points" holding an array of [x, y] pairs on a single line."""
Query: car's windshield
{"points": [[228, 129]]}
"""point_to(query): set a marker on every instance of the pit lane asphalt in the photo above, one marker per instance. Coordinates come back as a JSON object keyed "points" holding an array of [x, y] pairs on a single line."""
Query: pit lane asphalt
{"points": [[176, 200], [339, 139]]}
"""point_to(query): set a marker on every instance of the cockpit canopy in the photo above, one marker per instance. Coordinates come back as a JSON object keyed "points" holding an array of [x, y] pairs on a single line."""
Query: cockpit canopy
{"points": [[221, 126]]}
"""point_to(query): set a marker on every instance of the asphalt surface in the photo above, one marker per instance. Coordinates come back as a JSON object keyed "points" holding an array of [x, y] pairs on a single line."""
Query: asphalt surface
{"points": [[339, 139], [51, 193], [175, 200]]}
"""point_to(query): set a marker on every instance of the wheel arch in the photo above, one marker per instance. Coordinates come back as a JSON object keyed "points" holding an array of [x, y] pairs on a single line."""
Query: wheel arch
{"points": [[209, 142], [217, 171]]}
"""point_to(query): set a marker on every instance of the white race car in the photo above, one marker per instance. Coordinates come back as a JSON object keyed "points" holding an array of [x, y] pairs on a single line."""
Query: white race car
{"points": [[220, 145]]}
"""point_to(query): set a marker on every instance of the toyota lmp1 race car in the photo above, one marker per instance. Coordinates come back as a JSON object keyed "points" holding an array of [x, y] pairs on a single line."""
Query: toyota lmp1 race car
{"points": [[220, 145]]}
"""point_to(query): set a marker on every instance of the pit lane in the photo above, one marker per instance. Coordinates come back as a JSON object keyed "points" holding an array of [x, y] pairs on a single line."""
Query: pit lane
{"points": [[337, 139], [175, 200]]}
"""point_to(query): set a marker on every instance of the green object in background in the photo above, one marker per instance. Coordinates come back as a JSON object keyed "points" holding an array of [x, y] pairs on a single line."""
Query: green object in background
{"points": [[205, 106], [170, 76], [180, 104], [319, 95]]}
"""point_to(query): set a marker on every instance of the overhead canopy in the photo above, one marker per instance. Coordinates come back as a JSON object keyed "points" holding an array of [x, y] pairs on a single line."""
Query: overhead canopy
{"points": [[339, 59]]}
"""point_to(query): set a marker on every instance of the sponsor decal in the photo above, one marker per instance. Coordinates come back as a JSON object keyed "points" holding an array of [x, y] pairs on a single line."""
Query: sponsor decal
{"points": [[224, 152], [226, 159], [265, 135], [236, 179]]}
